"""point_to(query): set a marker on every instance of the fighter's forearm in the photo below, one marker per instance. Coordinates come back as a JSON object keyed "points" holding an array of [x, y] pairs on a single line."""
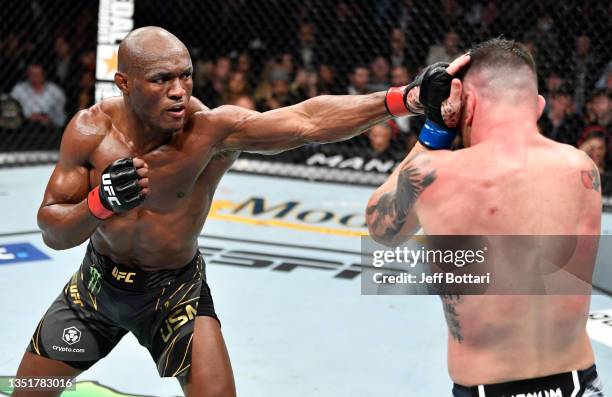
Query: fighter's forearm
{"points": [[339, 117], [390, 213], [66, 225]]}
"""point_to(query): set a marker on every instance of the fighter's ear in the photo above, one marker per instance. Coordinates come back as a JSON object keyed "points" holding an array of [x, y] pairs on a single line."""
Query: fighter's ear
{"points": [[469, 105], [541, 105], [121, 80]]}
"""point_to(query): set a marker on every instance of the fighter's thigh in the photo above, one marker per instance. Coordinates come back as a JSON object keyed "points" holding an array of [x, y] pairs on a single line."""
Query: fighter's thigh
{"points": [[35, 365], [210, 374]]}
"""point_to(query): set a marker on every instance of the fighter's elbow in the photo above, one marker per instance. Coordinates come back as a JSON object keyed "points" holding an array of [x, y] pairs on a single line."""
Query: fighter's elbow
{"points": [[52, 238], [378, 236], [56, 244], [376, 231]]}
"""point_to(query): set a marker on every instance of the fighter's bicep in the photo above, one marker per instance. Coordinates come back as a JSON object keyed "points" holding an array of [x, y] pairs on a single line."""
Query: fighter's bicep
{"points": [[249, 130], [67, 185], [69, 182]]}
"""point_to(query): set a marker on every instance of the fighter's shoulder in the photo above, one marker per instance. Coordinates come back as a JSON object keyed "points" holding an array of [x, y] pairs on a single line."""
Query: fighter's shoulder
{"points": [[573, 157], [85, 131], [438, 159], [217, 121], [91, 123], [195, 105]]}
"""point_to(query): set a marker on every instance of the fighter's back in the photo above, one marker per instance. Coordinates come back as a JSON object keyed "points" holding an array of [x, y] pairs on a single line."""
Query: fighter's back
{"points": [[501, 187], [513, 184]]}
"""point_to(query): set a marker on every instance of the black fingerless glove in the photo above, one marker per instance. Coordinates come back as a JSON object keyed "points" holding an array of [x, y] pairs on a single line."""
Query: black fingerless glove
{"points": [[435, 89], [118, 191]]}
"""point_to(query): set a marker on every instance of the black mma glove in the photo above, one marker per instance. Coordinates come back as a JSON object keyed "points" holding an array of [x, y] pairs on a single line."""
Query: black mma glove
{"points": [[118, 191]]}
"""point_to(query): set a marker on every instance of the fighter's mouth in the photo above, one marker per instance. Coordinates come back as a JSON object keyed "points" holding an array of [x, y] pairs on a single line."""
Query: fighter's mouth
{"points": [[176, 108], [177, 112]]}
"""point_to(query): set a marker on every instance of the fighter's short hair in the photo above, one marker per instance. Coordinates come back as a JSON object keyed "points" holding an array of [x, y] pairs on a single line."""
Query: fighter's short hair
{"points": [[499, 53]]}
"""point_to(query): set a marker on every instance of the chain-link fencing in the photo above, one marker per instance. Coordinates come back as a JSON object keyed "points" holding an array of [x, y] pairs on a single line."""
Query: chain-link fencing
{"points": [[272, 53]]}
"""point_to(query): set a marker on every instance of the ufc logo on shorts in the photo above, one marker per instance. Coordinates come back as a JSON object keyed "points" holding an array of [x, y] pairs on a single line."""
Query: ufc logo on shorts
{"points": [[127, 277], [108, 189]]}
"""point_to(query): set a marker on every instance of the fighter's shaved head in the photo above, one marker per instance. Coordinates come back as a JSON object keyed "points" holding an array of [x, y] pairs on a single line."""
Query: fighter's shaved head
{"points": [[503, 69], [148, 43]]}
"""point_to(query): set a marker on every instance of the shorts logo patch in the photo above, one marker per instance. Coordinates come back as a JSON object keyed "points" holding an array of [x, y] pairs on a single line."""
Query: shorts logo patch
{"points": [[176, 320], [71, 335], [94, 280], [125, 276]]}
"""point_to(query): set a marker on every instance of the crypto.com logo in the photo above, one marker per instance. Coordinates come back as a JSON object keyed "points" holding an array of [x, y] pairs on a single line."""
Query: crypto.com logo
{"points": [[71, 335]]}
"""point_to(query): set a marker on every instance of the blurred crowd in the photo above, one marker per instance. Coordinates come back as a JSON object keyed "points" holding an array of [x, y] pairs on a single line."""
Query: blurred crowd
{"points": [[48, 61], [279, 53]]}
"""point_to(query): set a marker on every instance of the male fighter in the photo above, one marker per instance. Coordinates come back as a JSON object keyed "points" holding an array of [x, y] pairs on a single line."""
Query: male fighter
{"points": [[510, 180], [136, 177]]}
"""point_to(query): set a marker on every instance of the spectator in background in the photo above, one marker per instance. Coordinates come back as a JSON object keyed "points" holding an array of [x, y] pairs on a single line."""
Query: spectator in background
{"points": [[62, 69], [213, 91], [401, 77], [306, 49], [85, 96], [244, 65], [236, 87], [327, 83], [560, 122], [42, 102], [554, 82], [451, 11], [447, 51], [87, 61], [599, 109], [596, 145], [379, 74], [244, 102], [13, 54], [304, 85], [285, 62], [605, 80], [583, 65], [483, 21], [399, 53], [359, 80], [380, 137], [546, 41], [278, 93]]}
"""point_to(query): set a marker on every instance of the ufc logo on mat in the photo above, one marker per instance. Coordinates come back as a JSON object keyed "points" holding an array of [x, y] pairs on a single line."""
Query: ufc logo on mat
{"points": [[108, 189]]}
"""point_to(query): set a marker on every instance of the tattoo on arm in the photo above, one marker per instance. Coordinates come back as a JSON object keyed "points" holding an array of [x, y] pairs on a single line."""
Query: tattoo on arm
{"points": [[412, 101], [590, 179], [449, 303], [393, 208]]}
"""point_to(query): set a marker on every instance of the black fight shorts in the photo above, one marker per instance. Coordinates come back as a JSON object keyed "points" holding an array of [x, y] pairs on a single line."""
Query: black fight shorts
{"points": [[584, 383], [104, 300]]}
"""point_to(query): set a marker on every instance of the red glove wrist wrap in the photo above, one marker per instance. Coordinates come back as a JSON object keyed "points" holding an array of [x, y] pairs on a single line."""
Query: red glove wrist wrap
{"points": [[95, 205], [394, 101]]}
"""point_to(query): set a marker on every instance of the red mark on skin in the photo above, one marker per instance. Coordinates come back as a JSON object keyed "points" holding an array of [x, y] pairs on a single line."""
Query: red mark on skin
{"points": [[492, 210]]}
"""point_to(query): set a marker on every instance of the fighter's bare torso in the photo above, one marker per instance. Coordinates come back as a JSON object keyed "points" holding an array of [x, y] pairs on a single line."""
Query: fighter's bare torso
{"points": [[183, 174], [495, 339]]}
